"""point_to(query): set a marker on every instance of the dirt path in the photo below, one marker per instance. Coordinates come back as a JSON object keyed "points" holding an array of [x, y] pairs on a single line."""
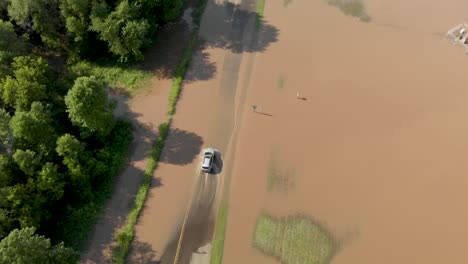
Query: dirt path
{"points": [[146, 111], [377, 153]]}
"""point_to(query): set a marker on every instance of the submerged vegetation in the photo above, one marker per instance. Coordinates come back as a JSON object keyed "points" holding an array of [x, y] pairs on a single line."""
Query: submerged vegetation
{"points": [[293, 240], [353, 8]]}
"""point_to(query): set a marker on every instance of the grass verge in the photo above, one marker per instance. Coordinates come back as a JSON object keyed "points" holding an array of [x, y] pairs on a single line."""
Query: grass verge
{"points": [[179, 74], [220, 230], [260, 9], [181, 68], [125, 236], [293, 239], [351, 8]]}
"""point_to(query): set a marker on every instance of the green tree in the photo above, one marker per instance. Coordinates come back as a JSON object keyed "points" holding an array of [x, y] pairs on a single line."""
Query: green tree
{"points": [[4, 10], [49, 182], [9, 176], [33, 129], [125, 33], [10, 46], [74, 157], [169, 9], [23, 208], [6, 171], [71, 149], [27, 161], [158, 12], [28, 84], [23, 246], [42, 16], [76, 14], [29, 201], [88, 105], [5, 132], [7, 222]]}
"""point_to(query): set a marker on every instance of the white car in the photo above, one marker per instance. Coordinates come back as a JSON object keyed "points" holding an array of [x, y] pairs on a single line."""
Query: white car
{"points": [[208, 158]]}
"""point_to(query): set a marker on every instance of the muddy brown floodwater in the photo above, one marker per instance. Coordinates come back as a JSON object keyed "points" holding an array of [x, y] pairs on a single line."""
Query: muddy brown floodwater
{"points": [[199, 218], [378, 151]]}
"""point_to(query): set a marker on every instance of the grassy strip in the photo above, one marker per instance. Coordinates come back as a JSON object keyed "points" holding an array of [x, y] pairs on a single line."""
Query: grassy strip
{"points": [[351, 8], [220, 231], [260, 9], [179, 74], [293, 239], [126, 235], [198, 12], [181, 68], [126, 78]]}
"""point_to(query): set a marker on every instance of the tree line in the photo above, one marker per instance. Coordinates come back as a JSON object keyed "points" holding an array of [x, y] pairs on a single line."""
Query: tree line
{"points": [[60, 143], [91, 28]]}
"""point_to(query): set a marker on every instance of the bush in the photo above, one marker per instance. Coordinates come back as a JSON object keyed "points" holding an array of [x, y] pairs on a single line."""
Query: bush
{"points": [[130, 79]]}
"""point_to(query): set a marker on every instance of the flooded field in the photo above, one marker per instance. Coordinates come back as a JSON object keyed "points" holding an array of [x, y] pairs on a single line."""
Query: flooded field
{"points": [[378, 146]]}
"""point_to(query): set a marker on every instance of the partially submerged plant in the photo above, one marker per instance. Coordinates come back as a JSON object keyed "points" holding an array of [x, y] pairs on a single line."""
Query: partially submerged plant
{"points": [[351, 8]]}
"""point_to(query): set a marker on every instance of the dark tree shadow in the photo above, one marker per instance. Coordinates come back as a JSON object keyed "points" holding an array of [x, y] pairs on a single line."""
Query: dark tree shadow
{"points": [[239, 30], [162, 57], [142, 253], [202, 66], [232, 28], [224, 25], [181, 147], [125, 184], [143, 134]]}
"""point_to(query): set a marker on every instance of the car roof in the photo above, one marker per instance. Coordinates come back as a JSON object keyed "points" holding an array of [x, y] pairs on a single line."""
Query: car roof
{"points": [[206, 162]]}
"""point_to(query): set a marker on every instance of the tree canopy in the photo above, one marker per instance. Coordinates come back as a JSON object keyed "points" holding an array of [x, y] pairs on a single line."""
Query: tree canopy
{"points": [[121, 29], [79, 26], [41, 16], [23, 246], [11, 45], [88, 105], [28, 83], [60, 145]]}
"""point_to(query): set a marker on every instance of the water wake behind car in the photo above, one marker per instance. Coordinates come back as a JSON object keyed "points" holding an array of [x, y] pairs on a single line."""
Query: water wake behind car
{"points": [[198, 226]]}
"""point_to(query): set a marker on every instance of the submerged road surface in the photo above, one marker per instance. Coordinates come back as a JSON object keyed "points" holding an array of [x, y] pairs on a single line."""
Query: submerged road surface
{"points": [[238, 30]]}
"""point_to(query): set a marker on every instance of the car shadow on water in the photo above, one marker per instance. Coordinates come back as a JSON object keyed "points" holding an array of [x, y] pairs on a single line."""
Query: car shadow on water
{"points": [[217, 163]]}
